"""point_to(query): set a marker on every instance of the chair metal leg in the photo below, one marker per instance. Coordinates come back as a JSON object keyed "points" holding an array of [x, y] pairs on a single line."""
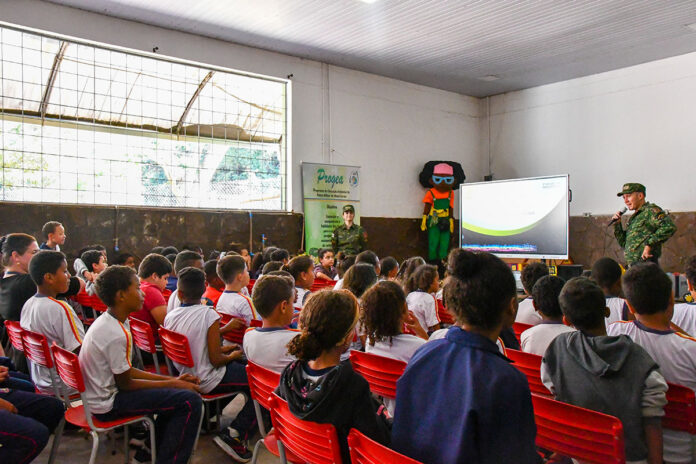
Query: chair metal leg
{"points": [[281, 451], [57, 434], [195, 443], [95, 447], [259, 419], [255, 454], [153, 444]]}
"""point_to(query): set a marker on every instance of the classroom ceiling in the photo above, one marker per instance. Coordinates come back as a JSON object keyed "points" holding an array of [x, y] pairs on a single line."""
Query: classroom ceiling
{"points": [[477, 48]]}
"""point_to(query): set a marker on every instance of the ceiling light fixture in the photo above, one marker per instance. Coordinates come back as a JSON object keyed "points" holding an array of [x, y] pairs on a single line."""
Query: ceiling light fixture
{"points": [[489, 78]]}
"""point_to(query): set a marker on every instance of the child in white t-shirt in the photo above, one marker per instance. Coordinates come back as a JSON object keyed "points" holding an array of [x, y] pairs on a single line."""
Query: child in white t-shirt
{"points": [[216, 366], [302, 270], [685, 313], [421, 288], [607, 274], [95, 261], [526, 314], [545, 293], [273, 296], [233, 271], [186, 258], [53, 318], [115, 389]]}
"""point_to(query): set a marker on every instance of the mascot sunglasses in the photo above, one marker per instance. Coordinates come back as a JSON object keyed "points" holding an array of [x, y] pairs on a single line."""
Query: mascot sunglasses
{"points": [[449, 180]]}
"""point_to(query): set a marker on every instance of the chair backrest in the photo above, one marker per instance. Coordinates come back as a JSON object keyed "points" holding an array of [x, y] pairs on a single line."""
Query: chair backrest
{"points": [[255, 323], [444, 315], [578, 433], [320, 284], [680, 411], [262, 383], [176, 347], [14, 332], [379, 371], [91, 301], [309, 441], [68, 367], [36, 348], [236, 335], [250, 285], [519, 327], [142, 335], [363, 450], [530, 365]]}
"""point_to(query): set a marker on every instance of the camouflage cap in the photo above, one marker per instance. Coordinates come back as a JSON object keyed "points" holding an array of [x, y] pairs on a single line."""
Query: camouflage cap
{"points": [[349, 208], [630, 188]]}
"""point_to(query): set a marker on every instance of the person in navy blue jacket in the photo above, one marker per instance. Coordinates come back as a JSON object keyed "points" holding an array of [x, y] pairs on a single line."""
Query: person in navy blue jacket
{"points": [[460, 400]]}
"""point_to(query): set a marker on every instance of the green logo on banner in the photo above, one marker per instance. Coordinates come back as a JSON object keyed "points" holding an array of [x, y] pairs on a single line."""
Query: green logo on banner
{"points": [[328, 179]]}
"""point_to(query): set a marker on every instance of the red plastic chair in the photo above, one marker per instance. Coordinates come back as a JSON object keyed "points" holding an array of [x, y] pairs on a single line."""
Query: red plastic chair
{"points": [[380, 372], [91, 301], [320, 284], [444, 315], [578, 433], [364, 450], [309, 441], [14, 332], [144, 339], [519, 327], [236, 335], [530, 365], [176, 348], [68, 367], [250, 285], [256, 323], [680, 411]]}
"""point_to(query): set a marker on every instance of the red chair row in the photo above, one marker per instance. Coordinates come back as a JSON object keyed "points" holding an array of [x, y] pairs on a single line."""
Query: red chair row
{"points": [[320, 284], [519, 327], [444, 315]]}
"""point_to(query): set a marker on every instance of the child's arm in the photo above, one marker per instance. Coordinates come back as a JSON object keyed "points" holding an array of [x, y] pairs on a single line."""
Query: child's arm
{"points": [[652, 427], [234, 324], [413, 324], [320, 275], [652, 403], [217, 357], [159, 313], [135, 379]]}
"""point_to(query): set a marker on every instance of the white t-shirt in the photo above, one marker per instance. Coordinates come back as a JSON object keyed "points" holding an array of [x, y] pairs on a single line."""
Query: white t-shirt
{"points": [[424, 308], [339, 284], [685, 317], [268, 347], [676, 355], [537, 339], [302, 295], [194, 322], [526, 314], [616, 309], [57, 321], [174, 301], [238, 305], [106, 351]]}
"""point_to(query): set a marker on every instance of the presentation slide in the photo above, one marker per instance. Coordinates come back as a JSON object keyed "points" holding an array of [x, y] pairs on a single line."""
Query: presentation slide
{"points": [[518, 218]]}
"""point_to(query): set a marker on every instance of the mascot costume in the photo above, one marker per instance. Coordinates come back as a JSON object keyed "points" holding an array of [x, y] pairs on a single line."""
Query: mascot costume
{"points": [[441, 178]]}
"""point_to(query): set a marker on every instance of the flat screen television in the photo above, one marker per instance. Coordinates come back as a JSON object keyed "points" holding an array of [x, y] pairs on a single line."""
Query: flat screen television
{"points": [[516, 218]]}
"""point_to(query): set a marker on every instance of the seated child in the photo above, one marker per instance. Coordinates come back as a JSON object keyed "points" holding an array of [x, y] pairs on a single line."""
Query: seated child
{"points": [[79, 266], [359, 278], [649, 295], [186, 258], [53, 318], [388, 268], [233, 272], [281, 255], [302, 270], [530, 274], [607, 274], [320, 388], [273, 297], [54, 234], [609, 374], [384, 314], [271, 266], [126, 259], [214, 286], [214, 365], [463, 381], [153, 272], [545, 293], [325, 270], [421, 288], [114, 389], [685, 313], [95, 262], [407, 268], [346, 263]]}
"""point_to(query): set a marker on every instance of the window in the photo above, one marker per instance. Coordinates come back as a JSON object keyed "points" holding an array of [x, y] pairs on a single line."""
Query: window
{"points": [[87, 124]]}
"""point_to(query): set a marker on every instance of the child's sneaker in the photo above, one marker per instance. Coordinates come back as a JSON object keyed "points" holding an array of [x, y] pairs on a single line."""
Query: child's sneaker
{"points": [[141, 457], [233, 445]]}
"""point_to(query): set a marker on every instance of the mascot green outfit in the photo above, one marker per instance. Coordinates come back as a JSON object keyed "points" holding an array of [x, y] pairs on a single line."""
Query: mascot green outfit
{"points": [[441, 178]]}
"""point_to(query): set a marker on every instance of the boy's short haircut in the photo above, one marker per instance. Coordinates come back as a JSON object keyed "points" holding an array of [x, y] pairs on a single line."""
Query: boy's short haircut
{"points": [[191, 283], [157, 250], [346, 264], [647, 288], [49, 228], [267, 253], [280, 254], [691, 271], [545, 296], [270, 290], [122, 258], [583, 303], [230, 267], [184, 259], [271, 266], [386, 265], [154, 264], [369, 257], [606, 272], [531, 273], [284, 274], [45, 262], [91, 257], [298, 265], [113, 279], [169, 250], [210, 268], [323, 251]]}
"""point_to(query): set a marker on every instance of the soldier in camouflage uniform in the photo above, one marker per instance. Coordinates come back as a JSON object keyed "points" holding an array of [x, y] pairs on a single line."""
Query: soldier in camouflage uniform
{"points": [[349, 238], [647, 229]]}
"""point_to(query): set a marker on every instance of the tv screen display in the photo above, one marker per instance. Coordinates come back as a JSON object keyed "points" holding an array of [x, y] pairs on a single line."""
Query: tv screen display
{"points": [[516, 218]]}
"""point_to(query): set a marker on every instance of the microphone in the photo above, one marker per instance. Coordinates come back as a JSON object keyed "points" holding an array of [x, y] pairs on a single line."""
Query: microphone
{"points": [[621, 213]]}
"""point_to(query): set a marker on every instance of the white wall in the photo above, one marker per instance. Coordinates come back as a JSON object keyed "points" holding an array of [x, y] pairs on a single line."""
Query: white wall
{"points": [[634, 124], [389, 127]]}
